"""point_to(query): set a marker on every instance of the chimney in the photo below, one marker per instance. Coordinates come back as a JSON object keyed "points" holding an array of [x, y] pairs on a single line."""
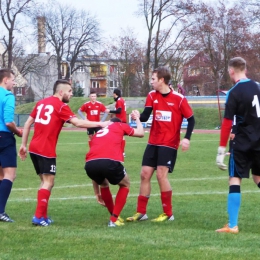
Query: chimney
{"points": [[41, 35]]}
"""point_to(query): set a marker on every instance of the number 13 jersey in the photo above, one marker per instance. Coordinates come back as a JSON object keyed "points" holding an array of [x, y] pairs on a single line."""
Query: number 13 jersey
{"points": [[49, 114]]}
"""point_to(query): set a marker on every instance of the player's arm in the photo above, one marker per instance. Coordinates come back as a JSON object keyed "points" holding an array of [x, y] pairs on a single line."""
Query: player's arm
{"points": [[81, 114], [117, 111], [224, 136], [13, 128], [87, 124], [139, 130], [97, 193], [185, 143], [26, 131]]}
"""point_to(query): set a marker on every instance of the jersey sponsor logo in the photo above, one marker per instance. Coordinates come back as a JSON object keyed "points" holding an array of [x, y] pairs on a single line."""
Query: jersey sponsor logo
{"points": [[93, 112], [170, 104], [164, 116]]}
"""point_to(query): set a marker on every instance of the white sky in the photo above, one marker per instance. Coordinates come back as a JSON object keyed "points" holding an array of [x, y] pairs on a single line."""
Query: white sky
{"points": [[114, 15]]}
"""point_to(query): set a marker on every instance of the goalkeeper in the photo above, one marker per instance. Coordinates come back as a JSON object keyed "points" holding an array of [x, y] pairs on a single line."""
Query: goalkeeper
{"points": [[243, 102]]}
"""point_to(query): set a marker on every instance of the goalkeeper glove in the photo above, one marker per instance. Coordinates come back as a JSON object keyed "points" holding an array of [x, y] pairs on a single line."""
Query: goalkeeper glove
{"points": [[220, 158]]}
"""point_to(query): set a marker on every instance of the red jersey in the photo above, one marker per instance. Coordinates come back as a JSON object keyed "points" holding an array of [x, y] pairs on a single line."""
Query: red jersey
{"points": [[93, 110], [50, 114], [122, 115], [106, 143], [168, 113]]}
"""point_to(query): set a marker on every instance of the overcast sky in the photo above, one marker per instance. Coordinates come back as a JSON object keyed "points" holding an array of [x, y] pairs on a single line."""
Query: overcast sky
{"points": [[113, 15]]}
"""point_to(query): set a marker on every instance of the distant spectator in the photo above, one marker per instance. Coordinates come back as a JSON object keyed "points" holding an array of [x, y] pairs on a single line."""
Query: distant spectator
{"points": [[180, 89]]}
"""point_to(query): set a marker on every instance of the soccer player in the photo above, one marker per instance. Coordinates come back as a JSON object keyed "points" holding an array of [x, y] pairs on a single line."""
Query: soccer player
{"points": [[8, 154], [120, 111], [92, 109], [104, 166], [242, 101], [48, 117], [169, 108]]}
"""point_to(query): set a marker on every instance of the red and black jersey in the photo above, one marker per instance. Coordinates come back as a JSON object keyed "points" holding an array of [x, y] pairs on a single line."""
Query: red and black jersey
{"points": [[49, 114], [242, 101], [168, 113], [93, 110], [106, 143], [120, 103]]}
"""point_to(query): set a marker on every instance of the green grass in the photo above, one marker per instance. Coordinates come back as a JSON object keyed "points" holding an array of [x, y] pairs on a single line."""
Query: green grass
{"points": [[80, 230]]}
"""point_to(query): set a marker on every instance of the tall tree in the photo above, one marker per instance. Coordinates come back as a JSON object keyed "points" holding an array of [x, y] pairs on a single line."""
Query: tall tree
{"points": [[11, 13], [69, 32]]}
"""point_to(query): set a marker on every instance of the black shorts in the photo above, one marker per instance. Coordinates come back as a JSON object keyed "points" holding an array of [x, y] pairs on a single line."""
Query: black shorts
{"points": [[43, 165], [101, 169], [159, 156], [240, 163], [8, 153], [93, 130]]}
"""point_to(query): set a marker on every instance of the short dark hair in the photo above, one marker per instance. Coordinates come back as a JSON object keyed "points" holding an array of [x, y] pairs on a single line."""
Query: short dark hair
{"points": [[163, 72], [5, 73], [117, 92], [93, 92], [115, 119], [58, 82], [237, 63]]}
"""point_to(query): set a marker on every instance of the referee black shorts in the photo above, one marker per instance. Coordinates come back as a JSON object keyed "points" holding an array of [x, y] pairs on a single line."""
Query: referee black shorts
{"points": [[159, 156], [8, 153], [101, 169]]}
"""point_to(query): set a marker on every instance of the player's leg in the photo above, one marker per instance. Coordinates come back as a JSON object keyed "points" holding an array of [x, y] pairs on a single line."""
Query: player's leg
{"points": [[46, 170], [9, 175], [107, 196], [8, 162], [117, 175], [239, 166]]}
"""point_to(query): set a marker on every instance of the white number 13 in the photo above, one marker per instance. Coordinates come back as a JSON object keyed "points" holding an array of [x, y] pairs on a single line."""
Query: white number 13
{"points": [[49, 109]]}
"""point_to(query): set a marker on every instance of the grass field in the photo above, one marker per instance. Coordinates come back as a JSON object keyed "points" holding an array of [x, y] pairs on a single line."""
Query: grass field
{"points": [[80, 230]]}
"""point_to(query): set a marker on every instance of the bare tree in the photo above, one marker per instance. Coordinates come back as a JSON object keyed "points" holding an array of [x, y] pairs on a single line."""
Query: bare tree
{"points": [[11, 13], [69, 32]]}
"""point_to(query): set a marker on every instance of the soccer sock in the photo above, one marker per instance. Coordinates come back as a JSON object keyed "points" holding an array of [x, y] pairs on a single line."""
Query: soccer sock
{"points": [[123, 145], [42, 203], [142, 202], [108, 199], [46, 210], [119, 202], [166, 198], [5, 190], [233, 205]]}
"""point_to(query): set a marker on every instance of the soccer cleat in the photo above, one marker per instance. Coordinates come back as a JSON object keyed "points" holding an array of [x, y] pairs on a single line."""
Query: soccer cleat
{"points": [[5, 218], [49, 220], [40, 222], [115, 224], [137, 217], [227, 229], [163, 217], [120, 219]]}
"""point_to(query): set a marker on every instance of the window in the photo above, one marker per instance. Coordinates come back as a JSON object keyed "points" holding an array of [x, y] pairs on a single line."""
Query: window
{"points": [[95, 84], [81, 69], [18, 91], [112, 84]]}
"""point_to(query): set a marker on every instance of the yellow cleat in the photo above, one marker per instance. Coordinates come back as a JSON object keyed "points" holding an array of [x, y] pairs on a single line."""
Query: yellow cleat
{"points": [[115, 224], [227, 229], [163, 217], [137, 217], [120, 219]]}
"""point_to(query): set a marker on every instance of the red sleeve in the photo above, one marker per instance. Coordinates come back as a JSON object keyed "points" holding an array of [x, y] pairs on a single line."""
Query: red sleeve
{"points": [[225, 132], [82, 108], [103, 108], [66, 113]]}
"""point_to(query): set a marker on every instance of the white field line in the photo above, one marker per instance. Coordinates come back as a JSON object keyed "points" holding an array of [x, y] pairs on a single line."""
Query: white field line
{"points": [[135, 195], [131, 182]]}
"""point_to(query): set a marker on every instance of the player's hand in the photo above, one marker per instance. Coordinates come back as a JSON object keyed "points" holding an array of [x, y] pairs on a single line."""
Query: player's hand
{"points": [[185, 144], [135, 114], [100, 200], [220, 158], [20, 134], [22, 152]]}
